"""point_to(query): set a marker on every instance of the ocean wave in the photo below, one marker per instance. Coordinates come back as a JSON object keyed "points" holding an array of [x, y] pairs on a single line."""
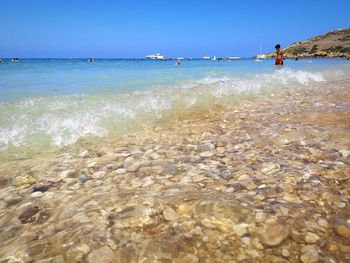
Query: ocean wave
{"points": [[63, 120]]}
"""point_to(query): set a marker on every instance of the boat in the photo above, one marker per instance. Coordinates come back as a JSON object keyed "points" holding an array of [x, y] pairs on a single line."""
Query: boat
{"points": [[214, 58], [156, 56], [260, 57], [180, 58], [206, 58], [234, 58], [15, 60], [90, 60]]}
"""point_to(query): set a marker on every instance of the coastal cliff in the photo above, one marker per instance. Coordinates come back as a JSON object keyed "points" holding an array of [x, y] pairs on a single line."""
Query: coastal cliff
{"points": [[332, 44]]}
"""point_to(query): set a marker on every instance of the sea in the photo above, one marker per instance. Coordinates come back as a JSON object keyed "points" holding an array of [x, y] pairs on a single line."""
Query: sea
{"points": [[48, 104]]}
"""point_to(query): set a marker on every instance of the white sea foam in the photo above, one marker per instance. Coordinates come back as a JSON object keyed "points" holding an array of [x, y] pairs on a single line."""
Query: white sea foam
{"points": [[62, 120]]}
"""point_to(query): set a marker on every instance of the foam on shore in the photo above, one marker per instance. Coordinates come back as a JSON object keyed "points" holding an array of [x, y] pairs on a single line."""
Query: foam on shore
{"points": [[62, 120]]}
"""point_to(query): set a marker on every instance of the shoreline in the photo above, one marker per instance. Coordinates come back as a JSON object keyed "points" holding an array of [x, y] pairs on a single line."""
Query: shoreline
{"points": [[267, 180]]}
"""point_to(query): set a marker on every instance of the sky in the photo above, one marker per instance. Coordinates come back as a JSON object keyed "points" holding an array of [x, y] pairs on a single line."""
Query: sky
{"points": [[192, 28]]}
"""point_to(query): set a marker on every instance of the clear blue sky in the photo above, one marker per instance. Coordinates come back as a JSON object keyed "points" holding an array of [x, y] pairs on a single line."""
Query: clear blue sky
{"points": [[102, 28]]}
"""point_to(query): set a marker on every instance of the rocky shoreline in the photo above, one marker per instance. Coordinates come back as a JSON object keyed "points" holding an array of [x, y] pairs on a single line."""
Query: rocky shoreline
{"points": [[265, 181]]}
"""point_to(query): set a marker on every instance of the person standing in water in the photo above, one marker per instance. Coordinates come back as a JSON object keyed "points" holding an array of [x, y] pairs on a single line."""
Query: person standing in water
{"points": [[279, 57]]}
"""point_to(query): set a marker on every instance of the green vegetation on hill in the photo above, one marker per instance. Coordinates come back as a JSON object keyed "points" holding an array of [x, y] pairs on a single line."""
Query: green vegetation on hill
{"points": [[332, 44]]}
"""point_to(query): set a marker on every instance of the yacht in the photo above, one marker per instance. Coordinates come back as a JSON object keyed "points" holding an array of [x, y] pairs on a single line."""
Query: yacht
{"points": [[206, 58], [214, 58], [156, 56], [260, 57], [180, 58], [233, 58]]}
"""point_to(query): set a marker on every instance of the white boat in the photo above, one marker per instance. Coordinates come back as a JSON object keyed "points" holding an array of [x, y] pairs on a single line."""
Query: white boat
{"points": [[156, 56], [260, 57], [214, 58], [180, 58], [206, 58], [233, 58]]}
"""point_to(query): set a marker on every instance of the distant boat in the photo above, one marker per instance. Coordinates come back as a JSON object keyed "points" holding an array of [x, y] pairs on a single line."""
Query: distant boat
{"points": [[206, 58], [90, 60], [260, 57], [15, 60], [214, 58], [1, 60], [180, 58], [156, 56], [233, 58]]}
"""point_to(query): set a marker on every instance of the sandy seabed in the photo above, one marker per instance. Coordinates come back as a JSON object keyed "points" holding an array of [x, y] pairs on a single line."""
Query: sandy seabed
{"points": [[265, 181]]}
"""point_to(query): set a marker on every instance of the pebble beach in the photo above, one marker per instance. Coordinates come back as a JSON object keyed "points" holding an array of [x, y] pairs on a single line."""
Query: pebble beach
{"points": [[265, 180]]}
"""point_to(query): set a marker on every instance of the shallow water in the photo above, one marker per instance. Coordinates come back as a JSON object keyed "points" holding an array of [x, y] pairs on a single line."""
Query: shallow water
{"points": [[49, 103], [254, 168]]}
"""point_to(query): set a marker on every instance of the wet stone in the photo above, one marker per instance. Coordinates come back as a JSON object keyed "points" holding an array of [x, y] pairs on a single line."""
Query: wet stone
{"points": [[206, 147], [24, 180], [42, 188], [43, 217], [206, 154], [69, 174], [133, 167], [273, 235], [84, 178], [240, 229], [102, 255], [343, 229], [311, 238], [311, 256], [169, 214], [172, 169], [345, 153], [226, 175], [37, 194], [29, 215]]}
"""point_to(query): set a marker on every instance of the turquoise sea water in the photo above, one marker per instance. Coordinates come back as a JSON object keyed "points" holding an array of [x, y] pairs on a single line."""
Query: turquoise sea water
{"points": [[58, 101]]}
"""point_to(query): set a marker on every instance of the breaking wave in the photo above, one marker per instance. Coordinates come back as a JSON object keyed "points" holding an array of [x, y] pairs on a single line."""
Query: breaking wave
{"points": [[63, 120]]}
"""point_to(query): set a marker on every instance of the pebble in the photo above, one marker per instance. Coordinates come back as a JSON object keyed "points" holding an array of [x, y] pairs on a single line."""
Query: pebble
{"points": [[206, 147], [99, 174], [37, 194], [133, 167], [246, 241], [311, 238], [240, 229], [206, 154], [120, 171], [310, 256], [252, 253], [343, 229], [273, 235], [24, 180], [285, 253], [322, 223], [101, 255], [345, 153], [69, 174], [169, 214], [260, 217]]}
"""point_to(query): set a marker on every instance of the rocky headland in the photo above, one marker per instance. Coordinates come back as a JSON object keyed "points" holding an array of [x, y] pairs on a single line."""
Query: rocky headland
{"points": [[333, 44]]}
